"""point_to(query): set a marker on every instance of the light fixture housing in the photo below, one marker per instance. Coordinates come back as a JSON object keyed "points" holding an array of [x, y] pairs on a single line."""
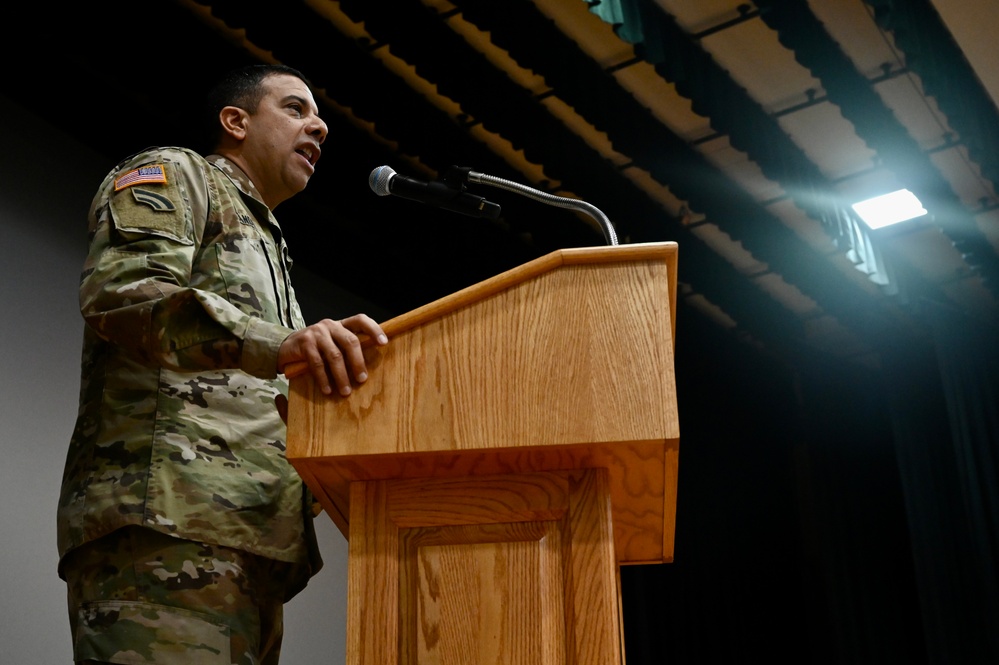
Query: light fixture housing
{"points": [[887, 209]]}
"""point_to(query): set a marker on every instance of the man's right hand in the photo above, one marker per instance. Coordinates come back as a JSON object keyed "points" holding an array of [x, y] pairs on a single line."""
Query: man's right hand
{"points": [[332, 349]]}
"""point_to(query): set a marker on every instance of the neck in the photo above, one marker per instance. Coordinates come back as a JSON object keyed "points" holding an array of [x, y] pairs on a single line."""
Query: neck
{"points": [[240, 161]]}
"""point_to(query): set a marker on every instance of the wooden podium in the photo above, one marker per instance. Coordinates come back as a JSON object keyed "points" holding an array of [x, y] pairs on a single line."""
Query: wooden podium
{"points": [[515, 443]]}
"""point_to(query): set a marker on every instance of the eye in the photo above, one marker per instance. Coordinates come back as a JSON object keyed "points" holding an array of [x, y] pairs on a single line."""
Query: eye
{"points": [[297, 108]]}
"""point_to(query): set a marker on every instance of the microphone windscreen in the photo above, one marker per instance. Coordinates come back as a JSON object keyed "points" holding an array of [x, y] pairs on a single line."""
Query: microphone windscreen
{"points": [[379, 180]]}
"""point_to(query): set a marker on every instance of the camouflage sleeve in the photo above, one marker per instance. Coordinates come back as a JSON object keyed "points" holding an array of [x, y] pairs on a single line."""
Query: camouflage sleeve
{"points": [[143, 288]]}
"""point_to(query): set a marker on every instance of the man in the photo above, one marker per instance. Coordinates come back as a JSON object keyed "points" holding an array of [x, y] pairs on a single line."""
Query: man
{"points": [[182, 527]]}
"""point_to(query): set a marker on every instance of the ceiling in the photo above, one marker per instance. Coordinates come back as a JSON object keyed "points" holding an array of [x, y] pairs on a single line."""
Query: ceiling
{"points": [[741, 131]]}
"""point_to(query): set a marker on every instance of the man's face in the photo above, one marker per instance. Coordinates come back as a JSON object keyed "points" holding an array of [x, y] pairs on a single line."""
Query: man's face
{"points": [[282, 140]]}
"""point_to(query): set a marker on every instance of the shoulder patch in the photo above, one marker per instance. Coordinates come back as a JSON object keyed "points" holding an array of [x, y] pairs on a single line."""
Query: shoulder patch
{"points": [[150, 174], [155, 208], [153, 199]]}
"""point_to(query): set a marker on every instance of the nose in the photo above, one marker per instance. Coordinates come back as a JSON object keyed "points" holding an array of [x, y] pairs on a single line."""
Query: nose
{"points": [[318, 129]]}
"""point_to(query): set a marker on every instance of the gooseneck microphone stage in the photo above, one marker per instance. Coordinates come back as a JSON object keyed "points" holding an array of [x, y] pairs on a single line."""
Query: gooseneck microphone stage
{"points": [[450, 194], [384, 181], [610, 235]]}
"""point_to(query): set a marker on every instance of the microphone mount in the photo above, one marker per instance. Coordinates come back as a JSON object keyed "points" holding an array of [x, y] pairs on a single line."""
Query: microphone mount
{"points": [[450, 195], [457, 176]]}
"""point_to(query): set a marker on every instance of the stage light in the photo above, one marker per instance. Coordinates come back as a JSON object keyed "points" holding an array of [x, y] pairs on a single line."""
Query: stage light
{"points": [[888, 209]]}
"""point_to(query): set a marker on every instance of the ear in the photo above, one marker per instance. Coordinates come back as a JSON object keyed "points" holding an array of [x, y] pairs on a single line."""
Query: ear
{"points": [[233, 121]]}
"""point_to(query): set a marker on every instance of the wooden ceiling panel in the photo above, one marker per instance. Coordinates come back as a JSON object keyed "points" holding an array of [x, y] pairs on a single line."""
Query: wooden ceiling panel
{"points": [[741, 131]]}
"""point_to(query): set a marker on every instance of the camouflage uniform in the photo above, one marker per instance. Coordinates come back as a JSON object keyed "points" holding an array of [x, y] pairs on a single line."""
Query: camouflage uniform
{"points": [[186, 297], [138, 596]]}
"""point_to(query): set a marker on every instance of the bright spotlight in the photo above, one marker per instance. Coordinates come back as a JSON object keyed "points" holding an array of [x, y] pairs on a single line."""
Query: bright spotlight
{"points": [[889, 209]]}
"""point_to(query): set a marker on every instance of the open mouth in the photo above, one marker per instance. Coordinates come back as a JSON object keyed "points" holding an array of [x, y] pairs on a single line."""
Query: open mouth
{"points": [[311, 153]]}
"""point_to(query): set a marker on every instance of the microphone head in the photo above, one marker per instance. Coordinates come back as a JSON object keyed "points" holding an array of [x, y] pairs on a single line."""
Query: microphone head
{"points": [[379, 180]]}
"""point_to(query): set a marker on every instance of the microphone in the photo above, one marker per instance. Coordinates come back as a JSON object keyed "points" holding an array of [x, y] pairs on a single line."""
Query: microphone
{"points": [[384, 181]]}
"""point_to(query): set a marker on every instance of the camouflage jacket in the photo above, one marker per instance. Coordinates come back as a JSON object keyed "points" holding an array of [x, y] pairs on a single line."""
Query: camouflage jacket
{"points": [[186, 298]]}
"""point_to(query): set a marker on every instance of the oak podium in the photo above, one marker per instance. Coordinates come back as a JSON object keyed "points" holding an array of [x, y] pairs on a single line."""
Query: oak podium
{"points": [[516, 443]]}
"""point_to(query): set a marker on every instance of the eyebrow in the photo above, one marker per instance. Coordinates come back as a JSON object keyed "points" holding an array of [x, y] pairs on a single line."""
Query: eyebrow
{"points": [[301, 100]]}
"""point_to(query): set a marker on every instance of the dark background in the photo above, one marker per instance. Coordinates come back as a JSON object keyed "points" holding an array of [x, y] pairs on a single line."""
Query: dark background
{"points": [[838, 496]]}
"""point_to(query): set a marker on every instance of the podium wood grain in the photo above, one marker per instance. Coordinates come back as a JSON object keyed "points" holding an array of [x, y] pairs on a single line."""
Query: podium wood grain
{"points": [[516, 441]]}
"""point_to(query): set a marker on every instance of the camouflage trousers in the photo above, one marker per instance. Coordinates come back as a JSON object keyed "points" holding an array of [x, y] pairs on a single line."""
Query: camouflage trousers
{"points": [[138, 596]]}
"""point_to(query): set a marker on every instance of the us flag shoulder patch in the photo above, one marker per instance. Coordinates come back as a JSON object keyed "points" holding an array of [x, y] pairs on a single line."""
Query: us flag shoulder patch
{"points": [[153, 173]]}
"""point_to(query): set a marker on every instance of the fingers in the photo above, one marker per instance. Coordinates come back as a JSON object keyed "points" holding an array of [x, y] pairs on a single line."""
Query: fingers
{"points": [[333, 350], [364, 324], [351, 362], [342, 356]]}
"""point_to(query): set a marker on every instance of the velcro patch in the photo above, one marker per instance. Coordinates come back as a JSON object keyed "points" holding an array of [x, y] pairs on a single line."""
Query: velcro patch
{"points": [[152, 173], [158, 210], [152, 199]]}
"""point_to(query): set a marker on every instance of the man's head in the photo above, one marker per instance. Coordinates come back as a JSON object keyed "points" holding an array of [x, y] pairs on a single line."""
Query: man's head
{"points": [[268, 124]]}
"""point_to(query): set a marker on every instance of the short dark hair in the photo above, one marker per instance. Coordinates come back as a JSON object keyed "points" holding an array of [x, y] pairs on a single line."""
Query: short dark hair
{"points": [[243, 88]]}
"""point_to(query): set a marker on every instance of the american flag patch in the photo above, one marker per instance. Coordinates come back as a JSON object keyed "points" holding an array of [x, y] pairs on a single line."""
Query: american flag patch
{"points": [[144, 174]]}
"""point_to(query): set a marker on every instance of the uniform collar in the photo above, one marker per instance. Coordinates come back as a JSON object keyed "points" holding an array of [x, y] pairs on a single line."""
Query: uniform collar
{"points": [[236, 174]]}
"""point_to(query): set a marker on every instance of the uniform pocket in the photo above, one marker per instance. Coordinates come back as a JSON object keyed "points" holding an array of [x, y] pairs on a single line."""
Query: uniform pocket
{"points": [[137, 633], [249, 276]]}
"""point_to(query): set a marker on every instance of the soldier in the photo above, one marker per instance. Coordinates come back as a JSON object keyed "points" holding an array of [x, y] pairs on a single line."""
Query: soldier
{"points": [[182, 527]]}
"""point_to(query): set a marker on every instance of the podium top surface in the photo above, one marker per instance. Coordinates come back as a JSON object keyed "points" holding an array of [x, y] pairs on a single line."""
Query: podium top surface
{"points": [[657, 251]]}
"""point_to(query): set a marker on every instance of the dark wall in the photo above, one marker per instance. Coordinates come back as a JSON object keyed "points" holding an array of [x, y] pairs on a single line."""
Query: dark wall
{"points": [[791, 536]]}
